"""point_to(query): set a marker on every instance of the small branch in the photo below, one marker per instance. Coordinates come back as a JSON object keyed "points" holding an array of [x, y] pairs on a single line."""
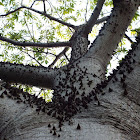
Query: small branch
{"points": [[29, 30], [44, 6], [3, 15], [32, 4], [93, 18], [32, 44], [50, 17], [67, 58], [101, 20], [128, 38], [42, 52], [33, 58], [52, 7], [42, 13], [58, 56], [86, 11]]}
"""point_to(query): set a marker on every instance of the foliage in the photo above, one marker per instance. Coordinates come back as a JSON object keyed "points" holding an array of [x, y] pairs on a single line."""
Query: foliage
{"points": [[26, 25]]}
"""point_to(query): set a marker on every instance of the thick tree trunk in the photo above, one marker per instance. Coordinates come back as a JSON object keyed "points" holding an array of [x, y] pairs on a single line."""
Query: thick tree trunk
{"points": [[85, 105], [117, 116]]}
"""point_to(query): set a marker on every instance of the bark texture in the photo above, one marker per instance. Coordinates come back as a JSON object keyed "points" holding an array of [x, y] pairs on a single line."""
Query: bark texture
{"points": [[85, 104], [117, 116]]}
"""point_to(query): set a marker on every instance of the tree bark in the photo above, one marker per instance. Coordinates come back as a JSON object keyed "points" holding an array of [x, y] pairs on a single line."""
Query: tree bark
{"points": [[31, 75], [85, 104], [117, 117]]}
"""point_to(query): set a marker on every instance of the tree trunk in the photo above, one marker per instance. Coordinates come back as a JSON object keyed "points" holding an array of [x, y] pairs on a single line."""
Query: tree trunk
{"points": [[85, 105], [117, 116]]}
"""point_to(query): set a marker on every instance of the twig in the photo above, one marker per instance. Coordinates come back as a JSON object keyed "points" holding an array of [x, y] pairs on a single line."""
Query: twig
{"points": [[33, 58], [44, 6], [29, 30], [86, 11], [8, 13], [42, 13], [25, 49], [58, 56], [32, 4], [51, 5], [50, 17], [101, 20], [66, 57], [129, 38]]}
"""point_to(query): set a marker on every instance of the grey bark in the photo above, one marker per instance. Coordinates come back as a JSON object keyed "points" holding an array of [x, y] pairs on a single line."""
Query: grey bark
{"points": [[87, 107], [116, 118], [31, 75]]}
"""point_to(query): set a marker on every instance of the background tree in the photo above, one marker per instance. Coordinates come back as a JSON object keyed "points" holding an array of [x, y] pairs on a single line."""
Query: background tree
{"points": [[86, 104]]}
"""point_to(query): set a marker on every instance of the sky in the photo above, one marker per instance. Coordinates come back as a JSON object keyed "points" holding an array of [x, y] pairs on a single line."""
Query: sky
{"points": [[92, 36]]}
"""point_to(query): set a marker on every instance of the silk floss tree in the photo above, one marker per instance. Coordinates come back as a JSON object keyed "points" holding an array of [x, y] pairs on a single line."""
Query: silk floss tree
{"points": [[85, 104]]}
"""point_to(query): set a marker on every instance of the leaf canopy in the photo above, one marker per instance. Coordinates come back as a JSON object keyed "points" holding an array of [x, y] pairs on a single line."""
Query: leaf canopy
{"points": [[24, 24]]}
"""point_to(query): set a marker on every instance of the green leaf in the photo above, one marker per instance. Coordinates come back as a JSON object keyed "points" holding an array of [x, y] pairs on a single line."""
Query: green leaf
{"points": [[1, 3], [46, 61], [39, 58]]}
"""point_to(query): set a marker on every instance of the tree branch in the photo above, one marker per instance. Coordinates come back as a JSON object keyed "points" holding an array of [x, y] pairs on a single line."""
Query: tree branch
{"points": [[101, 20], [86, 11], [33, 58], [113, 31], [128, 38], [32, 3], [32, 44], [58, 56], [29, 30], [44, 6], [93, 18], [26, 74], [10, 12], [42, 13], [50, 17]]}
